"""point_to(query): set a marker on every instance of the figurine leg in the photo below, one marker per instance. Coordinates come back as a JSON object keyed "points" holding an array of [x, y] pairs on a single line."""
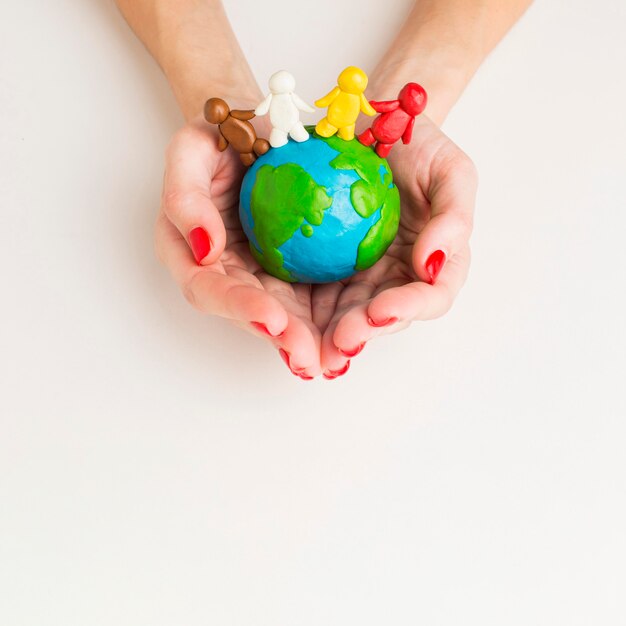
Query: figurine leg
{"points": [[325, 129], [383, 149], [260, 146], [347, 132], [298, 133], [222, 143], [247, 158], [367, 138], [278, 138]]}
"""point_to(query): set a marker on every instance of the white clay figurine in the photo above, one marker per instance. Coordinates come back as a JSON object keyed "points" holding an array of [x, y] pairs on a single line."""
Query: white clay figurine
{"points": [[284, 107]]}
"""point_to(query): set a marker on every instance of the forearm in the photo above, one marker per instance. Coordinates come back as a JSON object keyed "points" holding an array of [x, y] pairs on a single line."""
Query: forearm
{"points": [[441, 45], [196, 48]]}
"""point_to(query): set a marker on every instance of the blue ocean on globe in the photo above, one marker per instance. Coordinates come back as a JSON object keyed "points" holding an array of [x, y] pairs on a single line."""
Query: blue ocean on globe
{"points": [[314, 252]]}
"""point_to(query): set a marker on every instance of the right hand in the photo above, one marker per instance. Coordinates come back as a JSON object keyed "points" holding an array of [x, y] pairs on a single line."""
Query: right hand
{"points": [[201, 190]]}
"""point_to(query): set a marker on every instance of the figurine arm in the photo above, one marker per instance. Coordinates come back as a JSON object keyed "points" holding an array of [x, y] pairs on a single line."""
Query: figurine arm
{"points": [[301, 104], [244, 116], [264, 106], [385, 106], [366, 107], [407, 135], [328, 98]]}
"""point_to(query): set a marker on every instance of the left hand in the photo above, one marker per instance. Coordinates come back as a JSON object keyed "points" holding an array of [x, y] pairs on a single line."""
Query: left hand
{"points": [[201, 189], [423, 270]]}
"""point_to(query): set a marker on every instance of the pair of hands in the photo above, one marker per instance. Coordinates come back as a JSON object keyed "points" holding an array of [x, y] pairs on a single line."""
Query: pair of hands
{"points": [[318, 328]]}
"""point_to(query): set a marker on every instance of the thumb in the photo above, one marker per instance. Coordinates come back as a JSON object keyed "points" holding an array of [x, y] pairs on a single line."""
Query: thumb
{"points": [[186, 198], [452, 195]]}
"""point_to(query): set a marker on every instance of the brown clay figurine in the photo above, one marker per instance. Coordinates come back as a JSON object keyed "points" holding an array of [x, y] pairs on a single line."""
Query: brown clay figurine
{"points": [[235, 130]]}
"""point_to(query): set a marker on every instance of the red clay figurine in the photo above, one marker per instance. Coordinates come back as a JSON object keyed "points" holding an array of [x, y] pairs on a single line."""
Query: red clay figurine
{"points": [[396, 120]]}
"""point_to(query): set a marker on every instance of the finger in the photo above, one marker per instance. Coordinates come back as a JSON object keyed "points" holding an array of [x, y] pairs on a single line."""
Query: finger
{"points": [[212, 291], [299, 347], [354, 329], [333, 362], [186, 200], [301, 342], [420, 300], [452, 195]]}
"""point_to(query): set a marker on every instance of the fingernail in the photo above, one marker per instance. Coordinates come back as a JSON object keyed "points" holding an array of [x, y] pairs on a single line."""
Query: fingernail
{"points": [[305, 377], [434, 263], [385, 322], [286, 357], [331, 374], [263, 328], [200, 243], [351, 353]]}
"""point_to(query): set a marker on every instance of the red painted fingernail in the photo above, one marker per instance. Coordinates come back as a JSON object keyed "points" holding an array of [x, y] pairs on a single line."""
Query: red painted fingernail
{"points": [[263, 328], [351, 353], [434, 263], [387, 322], [284, 355], [331, 374], [305, 377], [200, 243]]}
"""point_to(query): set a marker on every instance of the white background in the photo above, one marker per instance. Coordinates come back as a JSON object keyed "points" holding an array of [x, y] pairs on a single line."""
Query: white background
{"points": [[162, 468]]}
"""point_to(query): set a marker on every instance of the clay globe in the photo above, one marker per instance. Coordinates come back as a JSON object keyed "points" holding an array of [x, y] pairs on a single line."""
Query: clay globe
{"points": [[320, 210]]}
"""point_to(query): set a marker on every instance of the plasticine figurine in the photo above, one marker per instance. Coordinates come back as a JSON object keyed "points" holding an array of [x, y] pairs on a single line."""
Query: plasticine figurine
{"points": [[235, 130], [344, 103], [284, 107], [396, 120]]}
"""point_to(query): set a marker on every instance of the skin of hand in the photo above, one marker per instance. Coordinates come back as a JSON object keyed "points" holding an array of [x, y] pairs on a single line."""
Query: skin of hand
{"points": [[441, 45], [201, 189], [437, 183], [198, 52], [318, 328]]}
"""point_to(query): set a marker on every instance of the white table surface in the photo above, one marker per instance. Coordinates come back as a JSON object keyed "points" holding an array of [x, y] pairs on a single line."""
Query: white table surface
{"points": [[158, 467]]}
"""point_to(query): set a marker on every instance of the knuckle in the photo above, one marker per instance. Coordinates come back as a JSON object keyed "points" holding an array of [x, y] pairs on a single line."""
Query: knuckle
{"points": [[466, 221], [183, 134], [184, 137], [177, 138], [190, 290], [468, 166], [177, 204], [442, 306], [434, 301], [190, 295]]}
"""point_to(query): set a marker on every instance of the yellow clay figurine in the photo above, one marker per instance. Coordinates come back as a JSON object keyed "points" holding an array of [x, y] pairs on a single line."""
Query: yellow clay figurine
{"points": [[344, 103]]}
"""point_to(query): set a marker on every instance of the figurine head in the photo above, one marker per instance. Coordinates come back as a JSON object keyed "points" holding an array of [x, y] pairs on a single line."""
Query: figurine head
{"points": [[282, 82], [353, 80], [412, 98], [216, 111]]}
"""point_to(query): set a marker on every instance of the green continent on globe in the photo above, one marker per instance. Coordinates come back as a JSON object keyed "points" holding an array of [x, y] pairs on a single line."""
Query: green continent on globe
{"points": [[374, 190], [283, 198]]}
